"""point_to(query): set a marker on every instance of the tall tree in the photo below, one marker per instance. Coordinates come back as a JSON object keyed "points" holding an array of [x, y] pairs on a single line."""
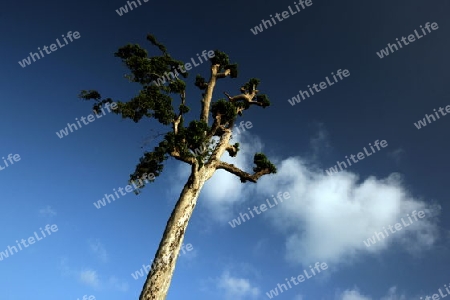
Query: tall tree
{"points": [[154, 101]]}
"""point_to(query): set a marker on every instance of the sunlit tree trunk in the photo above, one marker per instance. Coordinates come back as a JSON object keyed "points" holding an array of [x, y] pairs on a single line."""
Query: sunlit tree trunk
{"points": [[158, 280]]}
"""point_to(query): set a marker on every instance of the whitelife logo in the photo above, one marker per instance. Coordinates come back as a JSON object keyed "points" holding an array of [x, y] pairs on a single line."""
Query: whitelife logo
{"points": [[423, 123], [65, 132], [323, 85], [436, 296], [273, 293], [31, 241], [360, 156], [187, 67], [411, 38], [108, 197], [285, 14], [27, 61], [124, 9], [15, 157], [146, 268], [398, 227], [263, 207]]}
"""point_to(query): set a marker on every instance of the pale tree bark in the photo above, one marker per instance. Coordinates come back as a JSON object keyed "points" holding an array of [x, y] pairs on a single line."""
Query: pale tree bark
{"points": [[157, 284], [158, 280], [206, 101]]}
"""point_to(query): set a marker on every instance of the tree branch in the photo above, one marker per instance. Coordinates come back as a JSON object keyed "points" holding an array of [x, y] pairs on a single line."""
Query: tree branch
{"points": [[176, 154], [206, 101], [244, 176], [178, 118], [224, 74], [207, 96], [232, 150], [247, 97]]}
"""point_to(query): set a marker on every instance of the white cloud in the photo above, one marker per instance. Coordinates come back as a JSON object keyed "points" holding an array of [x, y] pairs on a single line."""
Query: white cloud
{"points": [[47, 212], [319, 143], [396, 154], [90, 278], [392, 295], [327, 218], [356, 295], [353, 295], [118, 285], [98, 249], [236, 288]]}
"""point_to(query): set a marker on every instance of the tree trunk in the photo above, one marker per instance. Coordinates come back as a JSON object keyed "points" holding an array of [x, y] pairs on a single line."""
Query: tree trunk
{"points": [[158, 280]]}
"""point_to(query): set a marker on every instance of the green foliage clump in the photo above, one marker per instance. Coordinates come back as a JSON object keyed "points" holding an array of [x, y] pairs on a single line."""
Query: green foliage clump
{"points": [[220, 58], [91, 94], [200, 82], [146, 69], [88, 95], [184, 109], [150, 102], [251, 85], [177, 86], [152, 39], [233, 70], [262, 163], [195, 133], [226, 109], [234, 152], [264, 100], [152, 163]]}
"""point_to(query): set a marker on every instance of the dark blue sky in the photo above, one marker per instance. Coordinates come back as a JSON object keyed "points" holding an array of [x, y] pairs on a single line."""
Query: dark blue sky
{"points": [[95, 251]]}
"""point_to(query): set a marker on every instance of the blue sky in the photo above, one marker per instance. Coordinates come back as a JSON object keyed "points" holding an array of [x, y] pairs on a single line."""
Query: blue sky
{"points": [[327, 217]]}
